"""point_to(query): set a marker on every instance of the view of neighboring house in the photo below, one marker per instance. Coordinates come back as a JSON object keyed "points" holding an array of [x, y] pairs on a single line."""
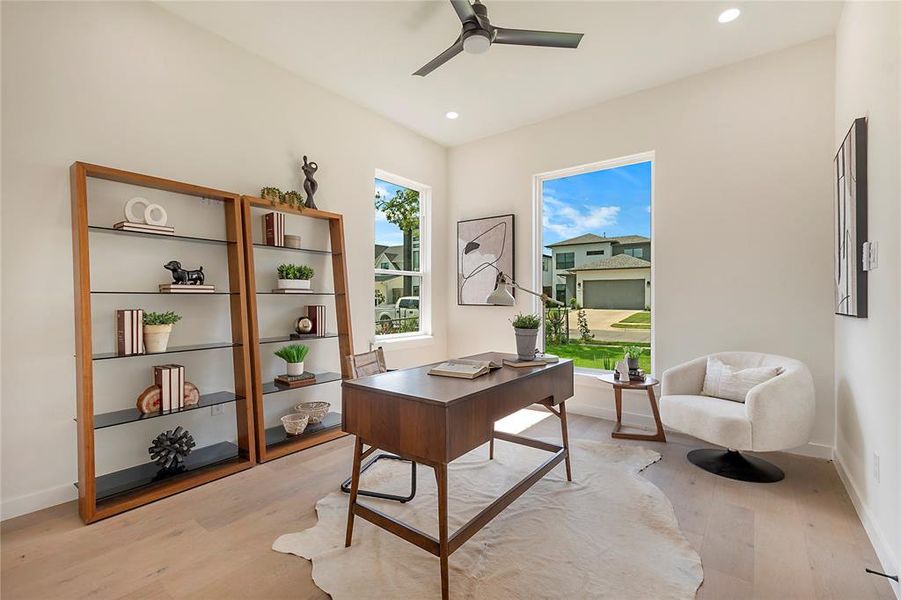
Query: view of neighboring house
{"points": [[392, 257], [547, 274], [602, 272]]}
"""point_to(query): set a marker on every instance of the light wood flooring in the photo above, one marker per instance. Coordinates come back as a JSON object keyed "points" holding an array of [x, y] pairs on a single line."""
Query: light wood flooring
{"points": [[796, 539]]}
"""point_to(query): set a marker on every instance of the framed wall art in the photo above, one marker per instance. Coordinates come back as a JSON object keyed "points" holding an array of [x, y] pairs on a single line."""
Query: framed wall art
{"points": [[850, 191], [484, 249]]}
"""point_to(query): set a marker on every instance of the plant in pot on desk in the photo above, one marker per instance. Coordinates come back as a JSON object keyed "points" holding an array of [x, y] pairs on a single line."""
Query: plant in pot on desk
{"points": [[526, 328], [294, 277], [294, 355], [157, 327]]}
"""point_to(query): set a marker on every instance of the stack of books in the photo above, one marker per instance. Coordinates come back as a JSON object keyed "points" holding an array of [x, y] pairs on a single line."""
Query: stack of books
{"points": [[274, 228], [291, 291], [181, 288], [316, 314], [171, 381], [540, 360], [293, 381], [144, 228], [129, 331]]}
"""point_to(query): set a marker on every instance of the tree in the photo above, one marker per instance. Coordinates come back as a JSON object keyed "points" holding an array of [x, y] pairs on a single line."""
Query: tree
{"points": [[403, 211]]}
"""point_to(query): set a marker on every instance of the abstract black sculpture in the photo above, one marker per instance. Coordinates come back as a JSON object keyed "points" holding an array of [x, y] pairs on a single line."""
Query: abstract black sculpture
{"points": [[169, 449], [182, 276], [309, 184]]}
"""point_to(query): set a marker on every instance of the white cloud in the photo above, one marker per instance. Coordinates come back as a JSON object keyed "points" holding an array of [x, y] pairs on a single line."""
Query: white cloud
{"points": [[570, 220]]}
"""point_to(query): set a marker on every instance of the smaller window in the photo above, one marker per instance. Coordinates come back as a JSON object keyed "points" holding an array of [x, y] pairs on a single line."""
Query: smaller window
{"points": [[566, 260], [595, 253], [636, 252], [561, 292]]}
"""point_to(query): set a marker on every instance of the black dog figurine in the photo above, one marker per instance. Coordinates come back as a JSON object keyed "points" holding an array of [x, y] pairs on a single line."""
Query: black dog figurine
{"points": [[181, 276]]}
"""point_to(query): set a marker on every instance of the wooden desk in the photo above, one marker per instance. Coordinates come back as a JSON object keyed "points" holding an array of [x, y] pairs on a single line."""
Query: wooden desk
{"points": [[434, 420]]}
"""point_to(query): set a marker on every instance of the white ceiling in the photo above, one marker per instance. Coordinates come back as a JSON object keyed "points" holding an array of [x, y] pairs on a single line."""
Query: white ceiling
{"points": [[366, 51]]}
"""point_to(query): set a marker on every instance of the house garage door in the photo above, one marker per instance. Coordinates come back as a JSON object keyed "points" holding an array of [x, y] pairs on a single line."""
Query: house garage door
{"points": [[616, 293]]}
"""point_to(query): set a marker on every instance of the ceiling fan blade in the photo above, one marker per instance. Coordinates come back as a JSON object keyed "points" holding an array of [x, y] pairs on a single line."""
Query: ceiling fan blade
{"points": [[526, 37], [464, 10], [442, 58]]}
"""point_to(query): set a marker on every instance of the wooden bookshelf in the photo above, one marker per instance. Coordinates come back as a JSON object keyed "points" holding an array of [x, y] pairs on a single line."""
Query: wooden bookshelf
{"points": [[112, 493], [273, 442]]}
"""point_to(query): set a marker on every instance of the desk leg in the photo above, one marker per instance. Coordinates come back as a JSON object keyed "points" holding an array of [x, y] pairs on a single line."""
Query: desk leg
{"points": [[565, 431], [441, 478], [354, 487]]}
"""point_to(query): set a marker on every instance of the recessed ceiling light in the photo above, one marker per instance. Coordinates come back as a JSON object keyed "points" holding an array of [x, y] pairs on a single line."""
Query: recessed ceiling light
{"points": [[728, 15], [451, 115]]}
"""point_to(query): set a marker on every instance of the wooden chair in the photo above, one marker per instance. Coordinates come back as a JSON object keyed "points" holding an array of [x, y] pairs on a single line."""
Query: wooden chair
{"points": [[361, 365]]}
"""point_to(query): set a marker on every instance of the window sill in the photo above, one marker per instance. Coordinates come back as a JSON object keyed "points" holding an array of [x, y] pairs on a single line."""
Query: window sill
{"points": [[413, 340]]}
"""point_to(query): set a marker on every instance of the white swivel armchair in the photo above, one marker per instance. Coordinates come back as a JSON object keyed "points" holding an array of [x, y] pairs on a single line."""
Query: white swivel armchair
{"points": [[775, 415]]}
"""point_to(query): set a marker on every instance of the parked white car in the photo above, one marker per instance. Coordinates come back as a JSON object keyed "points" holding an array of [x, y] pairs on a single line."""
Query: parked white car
{"points": [[405, 308]]}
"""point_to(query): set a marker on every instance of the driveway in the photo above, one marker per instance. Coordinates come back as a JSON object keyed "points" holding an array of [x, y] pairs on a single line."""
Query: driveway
{"points": [[600, 321]]}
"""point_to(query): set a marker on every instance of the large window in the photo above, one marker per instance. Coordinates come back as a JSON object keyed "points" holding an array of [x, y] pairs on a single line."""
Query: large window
{"points": [[607, 299], [401, 269]]}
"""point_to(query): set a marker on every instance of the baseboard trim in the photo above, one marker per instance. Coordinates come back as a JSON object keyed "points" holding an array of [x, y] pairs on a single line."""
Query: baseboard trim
{"points": [[887, 559], [16, 507]]}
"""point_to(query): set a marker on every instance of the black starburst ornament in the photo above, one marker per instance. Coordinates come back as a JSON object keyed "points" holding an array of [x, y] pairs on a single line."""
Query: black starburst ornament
{"points": [[169, 449]]}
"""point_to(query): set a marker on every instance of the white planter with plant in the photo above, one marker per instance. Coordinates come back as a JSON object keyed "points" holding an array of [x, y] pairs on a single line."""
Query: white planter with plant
{"points": [[294, 277], [157, 328], [526, 328], [294, 356]]}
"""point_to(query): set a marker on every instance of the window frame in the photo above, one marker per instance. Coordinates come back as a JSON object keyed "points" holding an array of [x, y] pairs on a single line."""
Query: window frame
{"points": [[559, 255], [425, 258]]}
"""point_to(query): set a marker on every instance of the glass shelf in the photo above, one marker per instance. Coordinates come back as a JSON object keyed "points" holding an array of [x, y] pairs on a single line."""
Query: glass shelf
{"points": [[169, 350], [276, 436], [132, 415], [148, 474], [270, 387], [302, 338], [183, 238], [305, 250], [296, 295], [177, 294]]}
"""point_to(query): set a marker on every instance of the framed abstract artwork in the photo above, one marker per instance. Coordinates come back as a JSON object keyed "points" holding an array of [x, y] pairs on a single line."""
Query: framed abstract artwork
{"points": [[484, 249], [850, 191]]}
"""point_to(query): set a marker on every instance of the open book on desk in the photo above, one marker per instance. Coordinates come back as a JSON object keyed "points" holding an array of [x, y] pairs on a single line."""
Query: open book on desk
{"points": [[464, 369]]}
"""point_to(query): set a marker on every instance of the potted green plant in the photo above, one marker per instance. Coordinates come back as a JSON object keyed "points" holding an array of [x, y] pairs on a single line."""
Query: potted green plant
{"points": [[526, 328], [293, 355], [157, 327], [294, 277], [632, 353]]}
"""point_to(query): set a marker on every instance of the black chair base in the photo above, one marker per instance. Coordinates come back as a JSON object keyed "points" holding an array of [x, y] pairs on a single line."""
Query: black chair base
{"points": [[735, 465], [345, 487]]}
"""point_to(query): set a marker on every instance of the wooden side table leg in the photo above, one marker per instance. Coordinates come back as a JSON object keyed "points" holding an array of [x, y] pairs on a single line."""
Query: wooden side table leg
{"points": [[565, 434], [491, 445], [618, 397], [441, 479], [354, 487], [661, 434]]}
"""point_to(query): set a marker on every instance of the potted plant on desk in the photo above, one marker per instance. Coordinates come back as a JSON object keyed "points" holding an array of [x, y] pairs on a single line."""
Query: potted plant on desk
{"points": [[526, 328], [157, 327], [294, 355], [294, 277]]}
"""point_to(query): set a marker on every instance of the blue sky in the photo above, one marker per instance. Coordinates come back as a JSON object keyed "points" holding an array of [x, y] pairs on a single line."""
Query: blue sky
{"points": [[386, 233], [614, 202]]}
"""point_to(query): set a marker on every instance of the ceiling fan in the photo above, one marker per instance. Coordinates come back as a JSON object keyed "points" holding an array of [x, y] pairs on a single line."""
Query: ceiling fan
{"points": [[478, 34]]}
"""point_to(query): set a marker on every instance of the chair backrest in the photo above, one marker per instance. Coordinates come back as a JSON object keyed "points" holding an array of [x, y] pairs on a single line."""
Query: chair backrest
{"points": [[368, 363]]}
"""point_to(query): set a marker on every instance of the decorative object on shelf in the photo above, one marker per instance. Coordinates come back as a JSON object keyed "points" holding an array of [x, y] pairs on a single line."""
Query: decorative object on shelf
{"points": [[315, 410], [192, 395], [292, 241], [303, 326], [850, 212], [295, 381], [310, 185], [184, 276], [294, 277], [129, 331], [526, 329], [274, 228], [276, 197], [484, 249], [295, 424], [272, 194], [294, 200], [171, 381], [178, 288], [293, 355], [152, 218], [157, 327], [169, 449], [149, 401], [316, 314]]}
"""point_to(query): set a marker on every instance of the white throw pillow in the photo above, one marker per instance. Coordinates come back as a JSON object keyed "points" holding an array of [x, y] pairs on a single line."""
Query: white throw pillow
{"points": [[729, 383]]}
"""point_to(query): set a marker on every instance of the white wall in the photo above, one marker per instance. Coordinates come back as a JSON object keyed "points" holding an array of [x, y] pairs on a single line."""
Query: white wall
{"points": [[742, 217], [132, 86], [867, 355]]}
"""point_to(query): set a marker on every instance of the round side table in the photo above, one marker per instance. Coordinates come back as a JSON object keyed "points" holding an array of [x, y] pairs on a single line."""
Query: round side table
{"points": [[618, 387]]}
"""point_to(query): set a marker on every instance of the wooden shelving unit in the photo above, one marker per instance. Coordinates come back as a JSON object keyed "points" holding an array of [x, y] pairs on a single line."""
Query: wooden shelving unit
{"points": [[272, 442], [112, 493]]}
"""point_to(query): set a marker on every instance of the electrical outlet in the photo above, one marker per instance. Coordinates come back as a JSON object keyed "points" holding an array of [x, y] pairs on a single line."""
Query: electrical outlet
{"points": [[217, 409], [876, 466]]}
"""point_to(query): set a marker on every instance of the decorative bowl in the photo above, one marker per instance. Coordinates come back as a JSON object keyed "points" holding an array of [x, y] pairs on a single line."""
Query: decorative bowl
{"points": [[295, 423], [315, 410]]}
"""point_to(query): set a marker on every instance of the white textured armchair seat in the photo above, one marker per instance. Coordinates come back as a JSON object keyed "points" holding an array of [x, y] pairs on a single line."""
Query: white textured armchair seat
{"points": [[776, 414]]}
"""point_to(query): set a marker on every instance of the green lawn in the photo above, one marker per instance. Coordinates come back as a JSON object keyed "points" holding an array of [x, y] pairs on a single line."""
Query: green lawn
{"points": [[639, 320], [592, 355]]}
